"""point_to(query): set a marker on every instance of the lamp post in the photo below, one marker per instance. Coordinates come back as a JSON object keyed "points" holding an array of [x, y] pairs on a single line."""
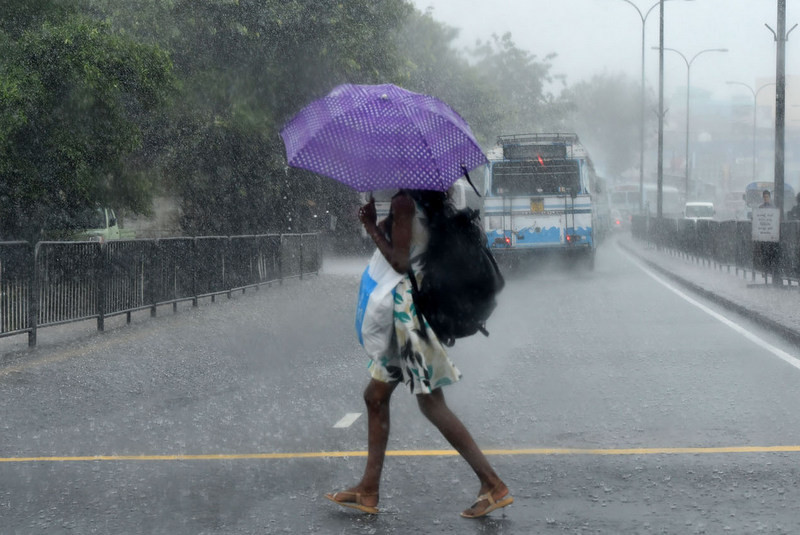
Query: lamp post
{"points": [[643, 17], [755, 93], [688, 96]]}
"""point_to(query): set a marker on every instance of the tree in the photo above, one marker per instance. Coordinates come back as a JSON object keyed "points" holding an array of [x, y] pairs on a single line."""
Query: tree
{"points": [[76, 99], [518, 79], [606, 116], [433, 66], [247, 67]]}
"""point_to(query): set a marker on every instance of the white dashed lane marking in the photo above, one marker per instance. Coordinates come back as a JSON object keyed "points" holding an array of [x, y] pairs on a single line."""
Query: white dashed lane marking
{"points": [[348, 419]]}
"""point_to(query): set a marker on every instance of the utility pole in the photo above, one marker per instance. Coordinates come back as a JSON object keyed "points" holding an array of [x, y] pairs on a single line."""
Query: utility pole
{"points": [[780, 104], [781, 36], [659, 196], [643, 17]]}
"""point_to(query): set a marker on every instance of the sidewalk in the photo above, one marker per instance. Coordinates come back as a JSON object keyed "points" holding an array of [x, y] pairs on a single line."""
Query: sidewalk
{"points": [[775, 307]]}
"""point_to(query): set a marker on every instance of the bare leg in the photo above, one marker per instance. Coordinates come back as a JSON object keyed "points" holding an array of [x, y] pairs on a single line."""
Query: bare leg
{"points": [[376, 396], [433, 406]]}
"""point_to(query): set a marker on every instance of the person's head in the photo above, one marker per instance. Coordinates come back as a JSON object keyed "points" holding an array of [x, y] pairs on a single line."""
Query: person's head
{"points": [[766, 194]]}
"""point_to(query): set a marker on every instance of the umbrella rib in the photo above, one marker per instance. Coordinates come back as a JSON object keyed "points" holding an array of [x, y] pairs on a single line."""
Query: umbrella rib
{"points": [[427, 145]]}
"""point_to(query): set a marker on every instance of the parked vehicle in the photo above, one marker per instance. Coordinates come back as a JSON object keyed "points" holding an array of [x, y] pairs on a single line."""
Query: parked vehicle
{"points": [[538, 196], [94, 224], [699, 210]]}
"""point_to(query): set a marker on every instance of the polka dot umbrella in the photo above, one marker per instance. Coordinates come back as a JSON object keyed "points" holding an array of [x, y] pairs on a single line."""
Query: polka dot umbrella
{"points": [[373, 137]]}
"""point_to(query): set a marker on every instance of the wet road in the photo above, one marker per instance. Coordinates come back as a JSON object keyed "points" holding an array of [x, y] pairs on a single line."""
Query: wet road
{"points": [[608, 402]]}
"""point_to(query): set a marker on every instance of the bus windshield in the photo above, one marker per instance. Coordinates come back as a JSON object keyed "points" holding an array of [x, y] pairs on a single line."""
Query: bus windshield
{"points": [[552, 176]]}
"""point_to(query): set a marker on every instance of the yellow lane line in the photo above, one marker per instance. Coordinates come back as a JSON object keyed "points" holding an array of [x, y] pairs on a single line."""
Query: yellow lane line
{"points": [[411, 453]]}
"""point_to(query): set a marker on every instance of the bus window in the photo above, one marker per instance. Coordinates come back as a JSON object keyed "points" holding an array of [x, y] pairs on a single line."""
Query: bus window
{"points": [[531, 177]]}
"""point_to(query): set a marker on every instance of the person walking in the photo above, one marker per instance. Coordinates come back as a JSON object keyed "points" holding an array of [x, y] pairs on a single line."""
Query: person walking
{"points": [[416, 358]]}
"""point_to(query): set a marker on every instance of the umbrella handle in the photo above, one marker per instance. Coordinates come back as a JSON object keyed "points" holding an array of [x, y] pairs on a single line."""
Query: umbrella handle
{"points": [[466, 175]]}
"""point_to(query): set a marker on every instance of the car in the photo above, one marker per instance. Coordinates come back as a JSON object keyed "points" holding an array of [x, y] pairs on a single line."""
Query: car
{"points": [[695, 210], [98, 224]]}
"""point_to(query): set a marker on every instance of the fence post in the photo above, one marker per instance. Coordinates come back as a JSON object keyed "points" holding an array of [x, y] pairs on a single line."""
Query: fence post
{"points": [[33, 299], [302, 240], [226, 250], [193, 264], [280, 259], [317, 255], [100, 265], [155, 291]]}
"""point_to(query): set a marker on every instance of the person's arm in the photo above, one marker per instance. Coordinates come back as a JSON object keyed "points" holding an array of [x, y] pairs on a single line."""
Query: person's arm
{"points": [[397, 251]]}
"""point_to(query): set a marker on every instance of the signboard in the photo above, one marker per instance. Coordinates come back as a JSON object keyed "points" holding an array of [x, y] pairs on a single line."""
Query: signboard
{"points": [[766, 224]]}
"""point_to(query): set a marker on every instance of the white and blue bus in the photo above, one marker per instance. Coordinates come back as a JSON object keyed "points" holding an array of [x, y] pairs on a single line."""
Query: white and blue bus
{"points": [[538, 194]]}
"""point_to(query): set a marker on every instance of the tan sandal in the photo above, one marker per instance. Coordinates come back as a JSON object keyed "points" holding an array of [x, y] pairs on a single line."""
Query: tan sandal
{"points": [[492, 505], [355, 502]]}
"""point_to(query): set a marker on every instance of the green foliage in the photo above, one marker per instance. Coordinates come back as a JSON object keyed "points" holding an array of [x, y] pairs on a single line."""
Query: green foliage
{"points": [[105, 101], [78, 99], [247, 67], [518, 79], [434, 67], [606, 114]]}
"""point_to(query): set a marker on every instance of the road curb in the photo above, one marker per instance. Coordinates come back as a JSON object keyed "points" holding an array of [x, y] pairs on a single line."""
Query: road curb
{"points": [[780, 329]]}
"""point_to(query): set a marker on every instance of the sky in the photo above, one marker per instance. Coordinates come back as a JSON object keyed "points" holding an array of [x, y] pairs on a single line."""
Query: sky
{"points": [[605, 36]]}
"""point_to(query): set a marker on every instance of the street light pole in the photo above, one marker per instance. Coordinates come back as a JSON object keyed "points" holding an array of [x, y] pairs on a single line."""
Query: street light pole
{"points": [[688, 96], [660, 170], [755, 93], [643, 17], [781, 36]]}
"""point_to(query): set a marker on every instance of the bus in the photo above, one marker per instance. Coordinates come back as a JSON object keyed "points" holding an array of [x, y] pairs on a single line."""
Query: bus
{"points": [[538, 195], [625, 198]]}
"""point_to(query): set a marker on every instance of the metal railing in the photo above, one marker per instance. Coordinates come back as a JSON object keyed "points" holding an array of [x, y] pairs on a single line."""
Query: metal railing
{"points": [[725, 243], [53, 283]]}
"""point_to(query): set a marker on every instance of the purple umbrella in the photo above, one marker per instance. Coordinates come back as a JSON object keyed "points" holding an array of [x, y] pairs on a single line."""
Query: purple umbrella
{"points": [[374, 137]]}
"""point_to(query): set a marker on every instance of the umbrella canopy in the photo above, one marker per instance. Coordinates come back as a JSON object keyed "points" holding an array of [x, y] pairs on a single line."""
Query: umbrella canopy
{"points": [[374, 137]]}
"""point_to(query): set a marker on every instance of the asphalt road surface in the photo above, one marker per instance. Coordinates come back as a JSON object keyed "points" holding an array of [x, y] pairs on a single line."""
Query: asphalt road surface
{"points": [[610, 401]]}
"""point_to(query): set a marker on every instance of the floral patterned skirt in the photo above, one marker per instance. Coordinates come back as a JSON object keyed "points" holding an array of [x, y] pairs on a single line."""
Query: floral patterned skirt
{"points": [[416, 356]]}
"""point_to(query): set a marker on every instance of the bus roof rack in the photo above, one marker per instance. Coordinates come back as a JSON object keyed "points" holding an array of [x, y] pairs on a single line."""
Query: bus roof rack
{"points": [[536, 139]]}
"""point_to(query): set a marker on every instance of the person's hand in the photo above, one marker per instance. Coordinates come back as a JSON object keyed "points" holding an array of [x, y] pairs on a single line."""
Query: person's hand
{"points": [[367, 213]]}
